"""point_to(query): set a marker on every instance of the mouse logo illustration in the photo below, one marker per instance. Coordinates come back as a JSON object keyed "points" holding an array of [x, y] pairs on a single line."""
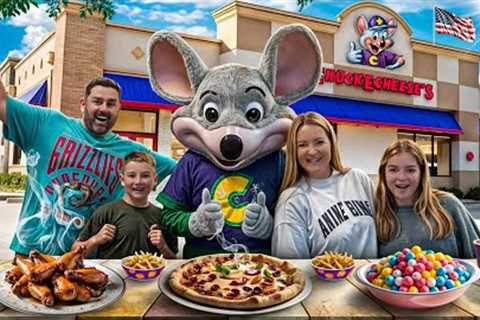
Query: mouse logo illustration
{"points": [[375, 40]]}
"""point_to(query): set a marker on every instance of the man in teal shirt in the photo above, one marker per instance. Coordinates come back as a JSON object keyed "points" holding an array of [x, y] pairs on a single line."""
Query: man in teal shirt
{"points": [[73, 165]]}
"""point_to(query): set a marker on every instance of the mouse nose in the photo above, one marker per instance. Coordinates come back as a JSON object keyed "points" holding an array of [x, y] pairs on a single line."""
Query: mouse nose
{"points": [[231, 146]]}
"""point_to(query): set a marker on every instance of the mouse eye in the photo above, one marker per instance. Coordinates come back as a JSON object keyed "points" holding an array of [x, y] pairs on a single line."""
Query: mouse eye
{"points": [[254, 112], [210, 112], [375, 37]]}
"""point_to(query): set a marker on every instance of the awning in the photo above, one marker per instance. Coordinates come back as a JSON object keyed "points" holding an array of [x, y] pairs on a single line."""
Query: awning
{"points": [[36, 95], [341, 110], [137, 92]]}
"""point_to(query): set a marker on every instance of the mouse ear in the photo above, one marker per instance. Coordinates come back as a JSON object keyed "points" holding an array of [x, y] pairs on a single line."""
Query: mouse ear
{"points": [[291, 63], [361, 24], [175, 69], [392, 26]]}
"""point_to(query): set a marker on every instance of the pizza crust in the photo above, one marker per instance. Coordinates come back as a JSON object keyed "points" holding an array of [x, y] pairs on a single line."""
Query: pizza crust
{"points": [[254, 301]]}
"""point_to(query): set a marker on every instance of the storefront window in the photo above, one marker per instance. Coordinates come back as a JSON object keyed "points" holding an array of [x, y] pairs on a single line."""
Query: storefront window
{"points": [[140, 126], [436, 148], [136, 121]]}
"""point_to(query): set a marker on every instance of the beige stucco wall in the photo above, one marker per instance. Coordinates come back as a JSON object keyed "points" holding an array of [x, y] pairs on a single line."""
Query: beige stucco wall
{"points": [[121, 41], [38, 59]]}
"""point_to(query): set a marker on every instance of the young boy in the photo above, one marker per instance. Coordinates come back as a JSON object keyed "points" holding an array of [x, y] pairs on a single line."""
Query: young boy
{"points": [[120, 228]]}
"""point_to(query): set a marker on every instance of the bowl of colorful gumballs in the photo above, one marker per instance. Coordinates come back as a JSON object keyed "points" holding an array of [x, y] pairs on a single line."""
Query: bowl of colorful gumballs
{"points": [[417, 279], [333, 266]]}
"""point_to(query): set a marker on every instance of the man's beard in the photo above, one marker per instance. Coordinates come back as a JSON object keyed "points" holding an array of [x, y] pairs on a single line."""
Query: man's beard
{"points": [[89, 122]]}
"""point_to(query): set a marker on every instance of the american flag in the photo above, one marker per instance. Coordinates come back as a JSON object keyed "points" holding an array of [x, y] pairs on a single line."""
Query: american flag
{"points": [[448, 23]]}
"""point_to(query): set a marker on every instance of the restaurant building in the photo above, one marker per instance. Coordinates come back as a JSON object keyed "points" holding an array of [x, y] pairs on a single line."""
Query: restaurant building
{"points": [[378, 85]]}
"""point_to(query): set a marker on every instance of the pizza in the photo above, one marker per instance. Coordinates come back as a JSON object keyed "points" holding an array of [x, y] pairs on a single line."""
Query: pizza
{"points": [[241, 281]]}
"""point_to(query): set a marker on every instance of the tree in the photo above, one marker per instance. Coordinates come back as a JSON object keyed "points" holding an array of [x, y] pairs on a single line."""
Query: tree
{"points": [[303, 3], [11, 8]]}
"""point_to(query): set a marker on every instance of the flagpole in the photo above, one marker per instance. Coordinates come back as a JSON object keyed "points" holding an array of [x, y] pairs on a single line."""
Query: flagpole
{"points": [[433, 25]]}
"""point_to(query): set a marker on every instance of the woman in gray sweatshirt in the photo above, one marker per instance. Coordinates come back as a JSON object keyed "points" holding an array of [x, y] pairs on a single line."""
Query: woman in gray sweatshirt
{"points": [[324, 206], [410, 212]]}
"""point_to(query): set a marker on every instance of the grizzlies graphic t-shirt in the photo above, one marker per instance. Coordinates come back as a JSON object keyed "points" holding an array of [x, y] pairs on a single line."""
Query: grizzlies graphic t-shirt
{"points": [[333, 214], [71, 173], [233, 190]]}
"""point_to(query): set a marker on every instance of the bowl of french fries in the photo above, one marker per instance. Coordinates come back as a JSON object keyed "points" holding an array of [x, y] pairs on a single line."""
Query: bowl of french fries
{"points": [[143, 266], [333, 266]]}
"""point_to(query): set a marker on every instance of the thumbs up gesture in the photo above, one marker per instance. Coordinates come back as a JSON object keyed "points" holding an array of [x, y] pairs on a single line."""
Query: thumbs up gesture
{"points": [[354, 55], [208, 219], [258, 223]]}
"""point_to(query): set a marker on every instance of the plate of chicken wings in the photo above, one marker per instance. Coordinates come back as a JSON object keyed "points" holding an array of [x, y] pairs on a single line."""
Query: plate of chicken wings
{"points": [[64, 285]]}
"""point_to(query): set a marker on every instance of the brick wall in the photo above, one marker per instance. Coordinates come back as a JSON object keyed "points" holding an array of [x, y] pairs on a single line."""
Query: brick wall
{"points": [[79, 57]]}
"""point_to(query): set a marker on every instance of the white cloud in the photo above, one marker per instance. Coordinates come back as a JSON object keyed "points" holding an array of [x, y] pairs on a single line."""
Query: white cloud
{"points": [[17, 54], [194, 30], [289, 5], [34, 17], [180, 16], [197, 3], [37, 24], [129, 11], [215, 4]]}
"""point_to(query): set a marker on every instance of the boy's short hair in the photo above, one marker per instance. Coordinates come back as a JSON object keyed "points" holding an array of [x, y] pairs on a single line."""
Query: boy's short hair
{"points": [[139, 156]]}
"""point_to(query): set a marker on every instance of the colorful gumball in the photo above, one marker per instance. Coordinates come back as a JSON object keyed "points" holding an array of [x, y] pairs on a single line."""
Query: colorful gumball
{"points": [[418, 271]]}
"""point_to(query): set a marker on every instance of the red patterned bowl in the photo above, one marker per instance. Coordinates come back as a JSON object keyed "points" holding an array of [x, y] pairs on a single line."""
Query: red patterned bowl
{"points": [[141, 274], [417, 300], [332, 274]]}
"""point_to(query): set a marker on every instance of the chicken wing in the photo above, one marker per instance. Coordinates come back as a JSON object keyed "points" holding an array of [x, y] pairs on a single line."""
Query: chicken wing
{"points": [[25, 265], [89, 276], [64, 289], [83, 293], [20, 287], [13, 274], [71, 260], [42, 293], [38, 258], [43, 271]]}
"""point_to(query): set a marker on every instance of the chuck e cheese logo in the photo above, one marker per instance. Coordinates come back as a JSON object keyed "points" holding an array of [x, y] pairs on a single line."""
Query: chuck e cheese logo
{"points": [[234, 193]]}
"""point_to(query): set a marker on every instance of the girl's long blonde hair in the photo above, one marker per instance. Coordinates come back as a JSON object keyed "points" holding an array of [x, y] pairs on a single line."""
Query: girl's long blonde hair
{"points": [[427, 205], [293, 170]]}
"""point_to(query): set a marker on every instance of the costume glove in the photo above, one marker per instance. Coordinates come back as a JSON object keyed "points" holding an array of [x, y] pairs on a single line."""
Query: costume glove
{"points": [[208, 219], [258, 223]]}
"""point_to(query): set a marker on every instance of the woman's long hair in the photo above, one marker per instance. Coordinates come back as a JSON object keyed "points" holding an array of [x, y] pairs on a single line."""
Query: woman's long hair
{"points": [[427, 204], [293, 170]]}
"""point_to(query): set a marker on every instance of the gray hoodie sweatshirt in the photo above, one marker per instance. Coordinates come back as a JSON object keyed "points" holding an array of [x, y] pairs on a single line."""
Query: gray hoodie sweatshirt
{"points": [[316, 215], [413, 231]]}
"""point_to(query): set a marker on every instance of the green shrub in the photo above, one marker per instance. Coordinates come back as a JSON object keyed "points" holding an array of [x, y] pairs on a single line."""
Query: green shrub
{"points": [[13, 181], [473, 193], [456, 191]]}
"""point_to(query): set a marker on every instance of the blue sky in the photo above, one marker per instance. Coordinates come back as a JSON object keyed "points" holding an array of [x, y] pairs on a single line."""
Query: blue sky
{"points": [[22, 33]]}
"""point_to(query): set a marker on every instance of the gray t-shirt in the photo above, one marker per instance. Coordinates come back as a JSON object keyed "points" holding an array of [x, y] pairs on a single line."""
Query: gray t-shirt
{"points": [[318, 215], [413, 231]]}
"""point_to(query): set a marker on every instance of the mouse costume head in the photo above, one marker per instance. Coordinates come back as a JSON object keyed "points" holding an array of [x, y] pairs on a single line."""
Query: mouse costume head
{"points": [[234, 114]]}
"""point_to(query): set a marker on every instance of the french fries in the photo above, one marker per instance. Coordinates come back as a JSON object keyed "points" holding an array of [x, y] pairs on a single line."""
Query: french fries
{"points": [[144, 260], [333, 260]]}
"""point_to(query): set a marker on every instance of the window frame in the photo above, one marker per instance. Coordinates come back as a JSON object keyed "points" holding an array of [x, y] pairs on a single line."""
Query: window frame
{"points": [[432, 141]]}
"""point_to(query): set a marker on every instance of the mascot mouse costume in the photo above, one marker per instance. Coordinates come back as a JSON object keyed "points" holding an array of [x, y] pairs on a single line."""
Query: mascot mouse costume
{"points": [[234, 120]]}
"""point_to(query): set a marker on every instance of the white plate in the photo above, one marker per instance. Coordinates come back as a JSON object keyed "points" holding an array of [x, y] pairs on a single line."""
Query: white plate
{"points": [[165, 288], [113, 292]]}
